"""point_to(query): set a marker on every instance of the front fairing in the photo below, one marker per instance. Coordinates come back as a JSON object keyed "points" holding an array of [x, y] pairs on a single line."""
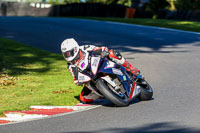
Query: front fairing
{"points": [[98, 66], [109, 67]]}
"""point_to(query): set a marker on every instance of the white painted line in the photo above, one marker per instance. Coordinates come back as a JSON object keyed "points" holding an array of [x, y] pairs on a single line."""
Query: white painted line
{"points": [[143, 26], [60, 107], [153, 27]]}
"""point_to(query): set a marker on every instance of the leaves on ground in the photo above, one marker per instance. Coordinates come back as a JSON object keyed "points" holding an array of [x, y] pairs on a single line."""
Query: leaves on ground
{"points": [[6, 80]]}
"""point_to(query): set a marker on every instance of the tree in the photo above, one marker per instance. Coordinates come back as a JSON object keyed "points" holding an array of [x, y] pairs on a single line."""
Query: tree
{"points": [[187, 4], [71, 1], [121, 2], [157, 5]]}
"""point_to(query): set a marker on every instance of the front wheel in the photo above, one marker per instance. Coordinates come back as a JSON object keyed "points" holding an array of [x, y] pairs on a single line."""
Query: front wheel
{"points": [[111, 95], [146, 90]]}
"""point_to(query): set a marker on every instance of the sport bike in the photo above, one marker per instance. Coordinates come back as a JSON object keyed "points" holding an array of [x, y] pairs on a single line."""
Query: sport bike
{"points": [[112, 81]]}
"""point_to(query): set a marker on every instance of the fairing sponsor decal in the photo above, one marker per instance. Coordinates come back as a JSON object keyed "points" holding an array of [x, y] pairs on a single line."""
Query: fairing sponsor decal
{"points": [[94, 64], [117, 71]]}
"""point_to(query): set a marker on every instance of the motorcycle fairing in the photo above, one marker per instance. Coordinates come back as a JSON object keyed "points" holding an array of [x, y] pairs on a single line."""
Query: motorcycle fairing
{"points": [[132, 89], [108, 79], [120, 72], [135, 91], [83, 77], [98, 65]]}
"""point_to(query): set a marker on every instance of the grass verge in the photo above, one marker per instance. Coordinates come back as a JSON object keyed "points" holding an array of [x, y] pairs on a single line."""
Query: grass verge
{"points": [[180, 25], [29, 76]]}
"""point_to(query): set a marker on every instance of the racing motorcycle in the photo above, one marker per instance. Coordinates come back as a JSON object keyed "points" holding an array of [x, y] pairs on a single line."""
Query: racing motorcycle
{"points": [[112, 81]]}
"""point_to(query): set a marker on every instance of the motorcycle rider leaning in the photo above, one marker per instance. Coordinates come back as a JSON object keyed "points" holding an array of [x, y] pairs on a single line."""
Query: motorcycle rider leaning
{"points": [[73, 54]]}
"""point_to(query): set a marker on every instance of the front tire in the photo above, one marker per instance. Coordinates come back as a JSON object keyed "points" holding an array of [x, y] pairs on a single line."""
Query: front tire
{"points": [[146, 90], [110, 95]]}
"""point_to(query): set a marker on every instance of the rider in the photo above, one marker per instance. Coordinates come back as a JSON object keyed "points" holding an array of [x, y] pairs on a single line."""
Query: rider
{"points": [[73, 54]]}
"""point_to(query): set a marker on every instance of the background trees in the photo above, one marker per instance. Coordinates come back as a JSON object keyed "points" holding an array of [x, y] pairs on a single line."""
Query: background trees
{"points": [[187, 4], [156, 5]]}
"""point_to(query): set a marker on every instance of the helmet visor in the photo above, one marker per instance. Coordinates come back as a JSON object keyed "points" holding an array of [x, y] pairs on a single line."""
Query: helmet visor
{"points": [[68, 54]]}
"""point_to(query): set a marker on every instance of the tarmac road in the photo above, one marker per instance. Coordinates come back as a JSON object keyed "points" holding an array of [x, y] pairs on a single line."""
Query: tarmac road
{"points": [[169, 59]]}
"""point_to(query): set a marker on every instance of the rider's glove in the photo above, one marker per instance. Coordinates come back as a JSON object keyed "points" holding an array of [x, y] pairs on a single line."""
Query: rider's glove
{"points": [[104, 54]]}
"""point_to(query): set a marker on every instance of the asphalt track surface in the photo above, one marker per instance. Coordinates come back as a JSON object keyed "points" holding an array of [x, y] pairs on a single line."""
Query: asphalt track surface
{"points": [[169, 59]]}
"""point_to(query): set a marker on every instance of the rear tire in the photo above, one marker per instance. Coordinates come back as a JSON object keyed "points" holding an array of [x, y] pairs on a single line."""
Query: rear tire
{"points": [[110, 95], [146, 90]]}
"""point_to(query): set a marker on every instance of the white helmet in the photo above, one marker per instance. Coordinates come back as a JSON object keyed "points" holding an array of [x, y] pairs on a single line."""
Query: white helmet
{"points": [[70, 49]]}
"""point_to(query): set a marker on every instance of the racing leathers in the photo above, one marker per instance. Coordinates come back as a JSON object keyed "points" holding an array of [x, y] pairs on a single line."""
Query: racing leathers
{"points": [[87, 96]]}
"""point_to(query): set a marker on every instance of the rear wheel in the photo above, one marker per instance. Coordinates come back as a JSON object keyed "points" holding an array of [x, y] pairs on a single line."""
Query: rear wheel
{"points": [[146, 90], [117, 97]]}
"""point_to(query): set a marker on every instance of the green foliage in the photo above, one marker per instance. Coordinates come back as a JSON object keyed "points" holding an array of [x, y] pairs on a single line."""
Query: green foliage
{"points": [[63, 1], [156, 5], [55, 2], [96, 1], [111, 1], [71, 1], [187, 4], [121, 2]]}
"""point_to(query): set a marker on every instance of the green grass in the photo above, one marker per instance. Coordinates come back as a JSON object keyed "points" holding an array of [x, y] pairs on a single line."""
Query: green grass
{"points": [[29, 76], [181, 25]]}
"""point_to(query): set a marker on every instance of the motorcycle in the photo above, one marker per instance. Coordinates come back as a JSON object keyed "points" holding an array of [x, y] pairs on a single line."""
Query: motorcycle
{"points": [[110, 80]]}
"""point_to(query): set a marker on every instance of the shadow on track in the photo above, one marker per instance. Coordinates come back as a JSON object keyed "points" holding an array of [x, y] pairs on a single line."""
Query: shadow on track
{"points": [[107, 103], [17, 59], [165, 127], [151, 47]]}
